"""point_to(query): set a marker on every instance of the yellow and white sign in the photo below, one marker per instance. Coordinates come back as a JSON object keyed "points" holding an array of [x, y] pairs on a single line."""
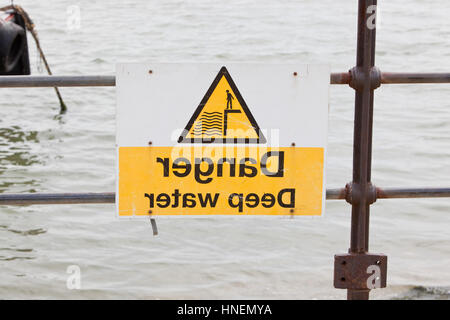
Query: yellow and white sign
{"points": [[229, 140]]}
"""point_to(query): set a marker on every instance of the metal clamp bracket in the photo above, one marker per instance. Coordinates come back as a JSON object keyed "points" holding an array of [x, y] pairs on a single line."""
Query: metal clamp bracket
{"points": [[358, 78], [353, 193], [360, 271]]}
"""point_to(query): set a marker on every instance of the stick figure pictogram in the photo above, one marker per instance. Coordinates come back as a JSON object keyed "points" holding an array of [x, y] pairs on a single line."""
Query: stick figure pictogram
{"points": [[230, 99]]}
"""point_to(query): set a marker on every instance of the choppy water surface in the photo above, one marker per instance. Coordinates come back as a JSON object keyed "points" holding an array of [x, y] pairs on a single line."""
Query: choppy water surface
{"points": [[257, 257]]}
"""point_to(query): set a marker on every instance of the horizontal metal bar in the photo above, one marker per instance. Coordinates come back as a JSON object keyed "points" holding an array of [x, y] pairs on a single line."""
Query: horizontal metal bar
{"points": [[335, 194], [110, 81], [340, 78], [398, 78], [398, 193], [56, 198], [109, 197], [56, 81]]}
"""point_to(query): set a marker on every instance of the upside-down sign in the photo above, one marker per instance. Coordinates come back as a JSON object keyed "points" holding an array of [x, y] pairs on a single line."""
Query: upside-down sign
{"points": [[198, 139]]}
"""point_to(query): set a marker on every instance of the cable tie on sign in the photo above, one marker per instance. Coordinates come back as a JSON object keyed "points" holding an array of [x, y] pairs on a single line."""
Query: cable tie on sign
{"points": [[153, 223]]}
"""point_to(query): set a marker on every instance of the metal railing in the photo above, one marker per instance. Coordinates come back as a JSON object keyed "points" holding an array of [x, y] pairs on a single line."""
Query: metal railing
{"points": [[351, 268], [110, 81], [109, 197]]}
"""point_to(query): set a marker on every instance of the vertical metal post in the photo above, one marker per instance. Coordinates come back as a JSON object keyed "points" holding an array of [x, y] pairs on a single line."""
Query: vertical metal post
{"points": [[351, 270], [362, 139]]}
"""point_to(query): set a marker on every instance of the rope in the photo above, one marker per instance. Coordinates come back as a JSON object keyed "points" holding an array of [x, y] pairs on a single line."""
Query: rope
{"points": [[31, 28]]}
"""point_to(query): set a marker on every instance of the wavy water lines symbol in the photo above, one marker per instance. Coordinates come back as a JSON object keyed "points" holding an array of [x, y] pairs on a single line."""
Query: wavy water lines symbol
{"points": [[209, 124]]}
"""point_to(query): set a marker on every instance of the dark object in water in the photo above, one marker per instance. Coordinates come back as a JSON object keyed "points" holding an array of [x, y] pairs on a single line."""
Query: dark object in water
{"points": [[23, 21], [14, 59]]}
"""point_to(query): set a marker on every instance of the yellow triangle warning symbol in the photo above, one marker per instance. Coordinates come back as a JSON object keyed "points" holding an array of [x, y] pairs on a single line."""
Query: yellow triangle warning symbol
{"points": [[222, 116]]}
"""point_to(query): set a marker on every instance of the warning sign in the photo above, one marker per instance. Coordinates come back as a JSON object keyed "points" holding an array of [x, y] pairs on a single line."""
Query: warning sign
{"points": [[222, 116], [189, 142]]}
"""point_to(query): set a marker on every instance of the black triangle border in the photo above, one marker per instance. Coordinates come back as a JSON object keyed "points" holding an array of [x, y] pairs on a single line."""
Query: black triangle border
{"points": [[223, 72]]}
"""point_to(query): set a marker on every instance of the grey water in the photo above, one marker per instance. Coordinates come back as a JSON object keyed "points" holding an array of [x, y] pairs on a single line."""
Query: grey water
{"points": [[230, 258]]}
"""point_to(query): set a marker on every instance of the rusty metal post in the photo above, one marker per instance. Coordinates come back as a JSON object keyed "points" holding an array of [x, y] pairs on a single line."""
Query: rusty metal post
{"points": [[351, 270]]}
